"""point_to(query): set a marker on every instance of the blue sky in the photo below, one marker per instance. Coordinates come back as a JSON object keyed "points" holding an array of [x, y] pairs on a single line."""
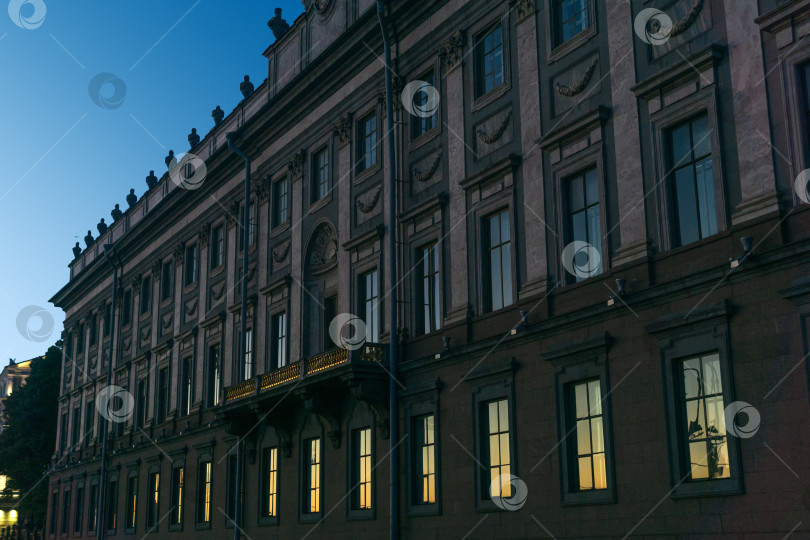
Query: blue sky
{"points": [[66, 161]]}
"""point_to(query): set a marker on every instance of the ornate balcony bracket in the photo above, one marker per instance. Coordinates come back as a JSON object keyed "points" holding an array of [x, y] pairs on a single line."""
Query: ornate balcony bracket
{"points": [[325, 410], [373, 394]]}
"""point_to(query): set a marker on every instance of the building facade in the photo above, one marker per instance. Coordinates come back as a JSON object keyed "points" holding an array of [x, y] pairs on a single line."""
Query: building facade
{"points": [[602, 251], [12, 378]]}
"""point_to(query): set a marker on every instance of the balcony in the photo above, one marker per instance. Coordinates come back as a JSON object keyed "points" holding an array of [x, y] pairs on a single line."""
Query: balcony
{"points": [[369, 356]]}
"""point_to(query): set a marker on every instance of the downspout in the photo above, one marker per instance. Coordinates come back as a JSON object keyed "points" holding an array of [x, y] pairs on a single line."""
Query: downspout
{"points": [[243, 333], [102, 483], [392, 266]]}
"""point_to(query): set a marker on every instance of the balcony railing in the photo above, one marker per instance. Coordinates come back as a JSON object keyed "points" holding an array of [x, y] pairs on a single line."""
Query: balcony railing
{"points": [[369, 353]]}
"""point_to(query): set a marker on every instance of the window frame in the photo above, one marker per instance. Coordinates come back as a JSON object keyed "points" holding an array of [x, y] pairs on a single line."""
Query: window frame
{"points": [[200, 503], [363, 300], [419, 288], [111, 510], [477, 41], [167, 275], [316, 199], [152, 521], [416, 137], [213, 396], [276, 339], [557, 51], [191, 264], [217, 255], [360, 137], [420, 400], [145, 296], [276, 221], [798, 118], [131, 476], [486, 249], [178, 462], [92, 505], [313, 429], [502, 17], [264, 494]]}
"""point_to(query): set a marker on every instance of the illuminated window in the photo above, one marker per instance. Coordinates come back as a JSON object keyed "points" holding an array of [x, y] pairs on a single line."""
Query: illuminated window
{"points": [[176, 517], [204, 492], [132, 502], [361, 469], [312, 476], [153, 503], [65, 511], [497, 448], [92, 508], [589, 437], [269, 482], [424, 482], [79, 513]]}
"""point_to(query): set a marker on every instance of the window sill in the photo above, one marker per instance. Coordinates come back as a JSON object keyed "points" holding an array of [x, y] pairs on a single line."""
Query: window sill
{"points": [[424, 138], [708, 488], [418, 510], [190, 287], [564, 49], [486, 99], [217, 270], [175, 528], [309, 518], [320, 203], [280, 228], [268, 521], [365, 174], [202, 526], [603, 496], [166, 302]]}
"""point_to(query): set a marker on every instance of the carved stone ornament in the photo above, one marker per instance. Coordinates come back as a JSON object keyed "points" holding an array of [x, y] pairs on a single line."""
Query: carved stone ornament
{"points": [[323, 248], [683, 25], [263, 189], [420, 176], [204, 234], [136, 282], [280, 252], [451, 52], [523, 9], [367, 202], [343, 129], [166, 320], [296, 164], [191, 307], [490, 138], [178, 252], [320, 6], [233, 213], [579, 86], [158, 264]]}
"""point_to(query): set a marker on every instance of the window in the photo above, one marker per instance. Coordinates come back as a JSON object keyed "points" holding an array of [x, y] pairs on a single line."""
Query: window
{"points": [[269, 483], [589, 438], [805, 83], [279, 333], [312, 476], [370, 304], [496, 448], [251, 226], [489, 60], [187, 386], [424, 482], [166, 273], [76, 428], [132, 502], [126, 308], [176, 517], [361, 469], [204, 492], [570, 17], [320, 174], [140, 409], [92, 508], [65, 511], [93, 329], [79, 513], [162, 408], [153, 504], [367, 142], [703, 426], [424, 101], [217, 246], [232, 486], [69, 347], [81, 337], [63, 434], [692, 181], [247, 366], [89, 417], [213, 377], [499, 255], [430, 289], [584, 218], [146, 295], [190, 265], [107, 325], [280, 201], [111, 520]]}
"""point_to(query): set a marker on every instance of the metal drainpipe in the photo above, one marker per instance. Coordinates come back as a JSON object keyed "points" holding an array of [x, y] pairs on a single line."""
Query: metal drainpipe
{"points": [[102, 483], [392, 266], [243, 341]]}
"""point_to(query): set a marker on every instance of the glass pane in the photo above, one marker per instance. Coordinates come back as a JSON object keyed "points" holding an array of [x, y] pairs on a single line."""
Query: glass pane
{"points": [[591, 187], [599, 472], [715, 421], [494, 231], [681, 146], [503, 441], [712, 379], [493, 417], [705, 194], [687, 205], [581, 399], [576, 194], [718, 460], [701, 138], [579, 227], [585, 480], [503, 415], [495, 281], [594, 228], [597, 436], [595, 397], [694, 419], [505, 231], [583, 437], [698, 460], [506, 258], [691, 378]]}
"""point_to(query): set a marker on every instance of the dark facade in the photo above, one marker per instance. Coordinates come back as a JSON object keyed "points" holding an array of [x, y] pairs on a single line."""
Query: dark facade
{"points": [[603, 259]]}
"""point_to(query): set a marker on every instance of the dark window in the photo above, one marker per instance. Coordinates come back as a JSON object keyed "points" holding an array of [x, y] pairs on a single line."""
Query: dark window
{"points": [[705, 452], [187, 386], [279, 346], [320, 174], [367, 142], [329, 313], [370, 304], [570, 18], [217, 246], [107, 328], [140, 407], [190, 265], [93, 329], [178, 480], [247, 365], [489, 60], [692, 181], [499, 255], [89, 417], [54, 511], [166, 274], [361, 469], [204, 492], [424, 480], [153, 504], [92, 508], [251, 226], [162, 394], [312, 476], [424, 102], [430, 313], [213, 376], [280, 201], [126, 308], [584, 218], [805, 83], [65, 511], [63, 433], [146, 294], [81, 337], [588, 449], [76, 429], [132, 502], [496, 449], [111, 520], [269, 502], [232, 485], [69, 347]]}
